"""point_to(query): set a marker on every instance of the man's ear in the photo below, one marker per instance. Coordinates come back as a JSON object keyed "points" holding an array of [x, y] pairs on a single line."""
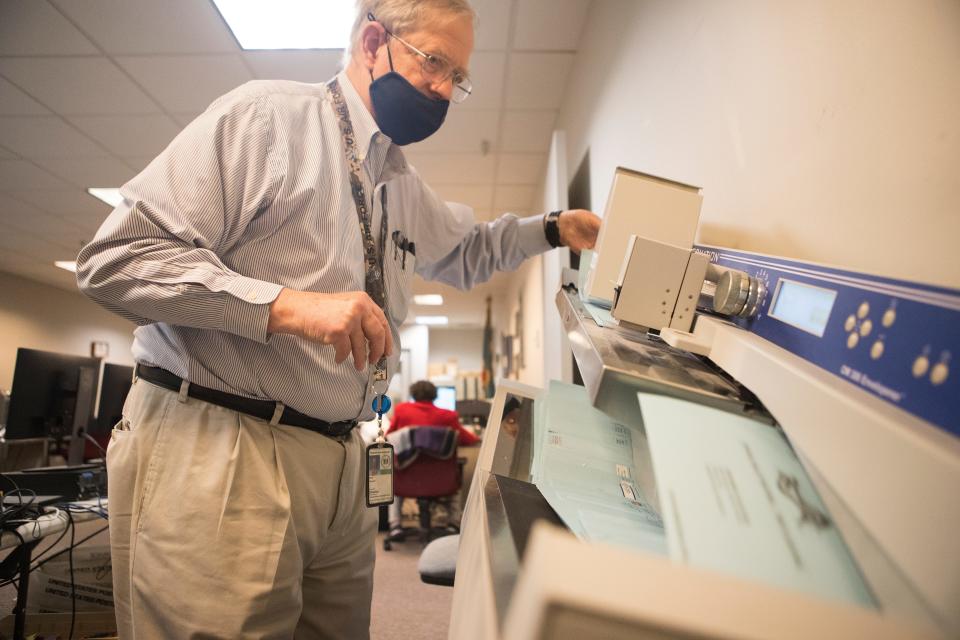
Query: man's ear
{"points": [[372, 37]]}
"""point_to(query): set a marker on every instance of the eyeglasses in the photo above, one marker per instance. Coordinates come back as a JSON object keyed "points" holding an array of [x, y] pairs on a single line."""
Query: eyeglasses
{"points": [[437, 68]]}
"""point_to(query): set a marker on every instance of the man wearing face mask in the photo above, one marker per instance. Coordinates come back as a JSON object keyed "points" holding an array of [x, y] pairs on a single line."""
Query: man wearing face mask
{"points": [[267, 256]]}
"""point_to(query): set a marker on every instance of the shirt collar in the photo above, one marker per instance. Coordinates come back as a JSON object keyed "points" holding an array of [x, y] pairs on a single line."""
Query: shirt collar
{"points": [[364, 126], [367, 133]]}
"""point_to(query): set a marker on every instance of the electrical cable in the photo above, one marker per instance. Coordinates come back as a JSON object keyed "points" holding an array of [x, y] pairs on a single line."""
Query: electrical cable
{"points": [[73, 583], [62, 551]]}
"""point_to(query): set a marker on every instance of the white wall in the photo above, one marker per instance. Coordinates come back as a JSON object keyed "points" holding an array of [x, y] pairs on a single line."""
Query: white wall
{"points": [[463, 345], [827, 130], [38, 316], [526, 287], [556, 353]]}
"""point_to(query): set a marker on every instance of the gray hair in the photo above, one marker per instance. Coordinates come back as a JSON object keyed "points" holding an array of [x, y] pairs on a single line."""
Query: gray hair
{"points": [[403, 16]]}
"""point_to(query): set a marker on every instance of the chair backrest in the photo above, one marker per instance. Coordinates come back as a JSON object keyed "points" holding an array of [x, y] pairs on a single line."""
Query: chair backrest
{"points": [[429, 476]]}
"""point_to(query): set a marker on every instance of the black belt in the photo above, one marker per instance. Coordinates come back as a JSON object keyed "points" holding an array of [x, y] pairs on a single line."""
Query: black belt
{"points": [[263, 409]]}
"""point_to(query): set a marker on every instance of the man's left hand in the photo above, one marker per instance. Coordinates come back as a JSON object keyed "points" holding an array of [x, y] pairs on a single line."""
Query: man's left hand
{"points": [[578, 229]]}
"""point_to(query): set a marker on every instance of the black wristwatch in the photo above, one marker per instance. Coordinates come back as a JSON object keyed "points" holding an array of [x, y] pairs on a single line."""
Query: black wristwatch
{"points": [[551, 228]]}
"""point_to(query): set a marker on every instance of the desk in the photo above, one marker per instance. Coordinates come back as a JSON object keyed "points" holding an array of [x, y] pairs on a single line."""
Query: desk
{"points": [[30, 535]]}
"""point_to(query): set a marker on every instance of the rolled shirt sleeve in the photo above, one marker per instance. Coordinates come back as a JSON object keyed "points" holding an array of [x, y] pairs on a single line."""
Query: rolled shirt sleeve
{"points": [[158, 256]]}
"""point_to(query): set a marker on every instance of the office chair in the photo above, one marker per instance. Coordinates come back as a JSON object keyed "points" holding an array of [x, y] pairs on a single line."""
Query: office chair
{"points": [[426, 468]]}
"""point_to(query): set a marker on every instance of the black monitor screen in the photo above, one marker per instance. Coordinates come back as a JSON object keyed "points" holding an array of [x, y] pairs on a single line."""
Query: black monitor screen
{"points": [[47, 389], [117, 379]]}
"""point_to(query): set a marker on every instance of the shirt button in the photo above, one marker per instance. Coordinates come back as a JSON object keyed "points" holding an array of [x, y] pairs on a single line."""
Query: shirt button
{"points": [[251, 295]]}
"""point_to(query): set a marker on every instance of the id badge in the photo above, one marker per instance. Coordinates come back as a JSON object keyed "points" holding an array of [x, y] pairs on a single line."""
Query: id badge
{"points": [[379, 474]]}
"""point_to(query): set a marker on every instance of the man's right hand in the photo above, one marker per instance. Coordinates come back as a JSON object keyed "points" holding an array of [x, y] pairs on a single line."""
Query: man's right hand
{"points": [[351, 322]]}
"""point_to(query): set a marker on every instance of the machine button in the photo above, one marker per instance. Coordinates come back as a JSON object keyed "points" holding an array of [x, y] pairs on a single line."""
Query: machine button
{"points": [[852, 340], [876, 350], [939, 373], [863, 310], [850, 323], [889, 316], [866, 327], [920, 366]]}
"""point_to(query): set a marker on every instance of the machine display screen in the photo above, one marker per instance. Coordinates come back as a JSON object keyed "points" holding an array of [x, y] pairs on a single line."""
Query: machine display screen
{"points": [[803, 306]]}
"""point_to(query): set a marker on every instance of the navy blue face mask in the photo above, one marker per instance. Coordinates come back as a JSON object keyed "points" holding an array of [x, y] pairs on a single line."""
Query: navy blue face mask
{"points": [[401, 111]]}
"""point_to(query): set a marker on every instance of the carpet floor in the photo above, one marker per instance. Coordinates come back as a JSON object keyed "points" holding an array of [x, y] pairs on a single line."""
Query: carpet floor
{"points": [[404, 608]]}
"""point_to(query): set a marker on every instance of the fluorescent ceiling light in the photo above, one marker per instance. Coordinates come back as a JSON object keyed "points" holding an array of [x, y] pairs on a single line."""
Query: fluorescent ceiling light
{"points": [[431, 320], [289, 24], [109, 195], [69, 265], [428, 299]]}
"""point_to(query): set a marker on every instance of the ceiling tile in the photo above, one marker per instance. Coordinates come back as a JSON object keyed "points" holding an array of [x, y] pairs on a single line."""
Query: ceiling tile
{"points": [[21, 174], [33, 27], [78, 86], [210, 77], [463, 131], [14, 102], [453, 168], [9, 261], [63, 202], [42, 224], [513, 198], [183, 119], [301, 66], [46, 274], [483, 215], [148, 26], [478, 197], [89, 172], [527, 130], [38, 137], [537, 80], [13, 209], [520, 168], [492, 25], [138, 163], [130, 135], [549, 25], [33, 246], [486, 71]]}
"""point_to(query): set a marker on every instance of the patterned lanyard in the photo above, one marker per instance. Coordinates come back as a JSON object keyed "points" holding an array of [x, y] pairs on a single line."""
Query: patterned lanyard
{"points": [[373, 255]]}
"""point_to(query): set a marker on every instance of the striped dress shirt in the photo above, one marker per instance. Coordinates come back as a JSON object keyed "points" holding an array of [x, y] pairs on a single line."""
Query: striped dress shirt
{"points": [[254, 196]]}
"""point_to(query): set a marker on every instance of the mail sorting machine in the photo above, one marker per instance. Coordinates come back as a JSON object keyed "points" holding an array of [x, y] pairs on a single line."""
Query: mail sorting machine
{"points": [[852, 372]]}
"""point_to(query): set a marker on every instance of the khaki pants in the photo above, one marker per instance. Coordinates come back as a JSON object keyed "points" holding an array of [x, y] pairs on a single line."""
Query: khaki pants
{"points": [[223, 526]]}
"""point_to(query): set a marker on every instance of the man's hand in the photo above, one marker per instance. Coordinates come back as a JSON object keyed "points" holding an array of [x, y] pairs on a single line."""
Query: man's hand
{"points": [[578, 229], [351, 322]]}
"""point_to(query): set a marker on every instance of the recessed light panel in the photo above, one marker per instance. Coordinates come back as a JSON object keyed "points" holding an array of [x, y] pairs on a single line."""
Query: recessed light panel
{"points": [[289, 24], [428, 299], [109, 195], [432, 320]]}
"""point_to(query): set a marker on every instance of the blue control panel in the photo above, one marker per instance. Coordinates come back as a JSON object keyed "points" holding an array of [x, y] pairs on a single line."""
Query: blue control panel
{"points": [[892, 338]]}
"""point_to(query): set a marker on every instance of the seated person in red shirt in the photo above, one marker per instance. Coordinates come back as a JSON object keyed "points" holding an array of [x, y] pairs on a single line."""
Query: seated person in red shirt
{"points": [[423, 413]]}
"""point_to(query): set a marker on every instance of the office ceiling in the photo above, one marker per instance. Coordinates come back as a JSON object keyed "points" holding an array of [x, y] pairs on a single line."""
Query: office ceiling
{"points": [[92, 90]]}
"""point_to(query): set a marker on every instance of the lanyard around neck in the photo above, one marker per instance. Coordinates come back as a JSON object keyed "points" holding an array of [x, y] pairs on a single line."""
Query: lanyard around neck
{"points": [[372, 254]]}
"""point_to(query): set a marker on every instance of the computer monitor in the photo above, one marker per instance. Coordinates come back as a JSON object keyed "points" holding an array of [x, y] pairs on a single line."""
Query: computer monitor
{"points": [[446, 398], [53, 396]]}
